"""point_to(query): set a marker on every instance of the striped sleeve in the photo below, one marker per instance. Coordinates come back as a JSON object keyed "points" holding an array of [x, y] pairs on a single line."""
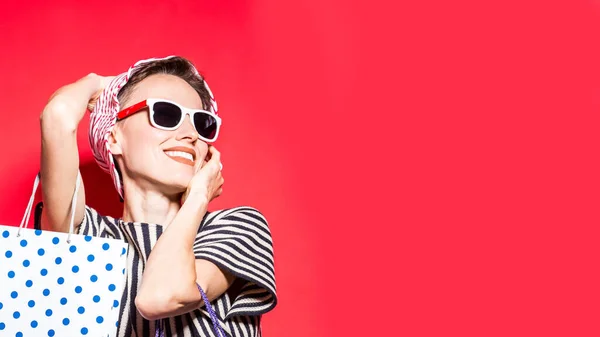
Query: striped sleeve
{"points": [[239, 241]]}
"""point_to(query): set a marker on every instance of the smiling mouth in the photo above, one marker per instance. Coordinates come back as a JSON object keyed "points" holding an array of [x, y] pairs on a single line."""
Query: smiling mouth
{"points": [[182, 157]]}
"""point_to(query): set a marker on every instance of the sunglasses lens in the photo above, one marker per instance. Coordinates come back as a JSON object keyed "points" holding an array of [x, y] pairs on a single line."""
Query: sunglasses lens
{"points": [[166, 114], [206, 125]]}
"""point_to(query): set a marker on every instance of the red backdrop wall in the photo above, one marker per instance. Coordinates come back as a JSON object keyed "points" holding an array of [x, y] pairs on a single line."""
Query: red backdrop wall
{"points": [[427, 168]]}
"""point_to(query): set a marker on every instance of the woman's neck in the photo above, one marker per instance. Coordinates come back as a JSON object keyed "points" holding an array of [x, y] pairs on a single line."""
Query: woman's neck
{"points": [[149, 206]]}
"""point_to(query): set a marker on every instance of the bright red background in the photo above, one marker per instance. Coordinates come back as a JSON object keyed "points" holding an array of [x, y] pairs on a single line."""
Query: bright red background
{"points": [[427, 170]]}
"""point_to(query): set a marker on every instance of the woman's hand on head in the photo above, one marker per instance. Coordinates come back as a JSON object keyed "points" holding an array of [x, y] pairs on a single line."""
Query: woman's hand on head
{"points": [[69, 103], [207, 183], [103, 82]]}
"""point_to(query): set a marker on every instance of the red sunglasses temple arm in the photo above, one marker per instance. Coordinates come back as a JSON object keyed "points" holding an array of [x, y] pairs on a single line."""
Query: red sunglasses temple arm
{"points": [[131, 110]]}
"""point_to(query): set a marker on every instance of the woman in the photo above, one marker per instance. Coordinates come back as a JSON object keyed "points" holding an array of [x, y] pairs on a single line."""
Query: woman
{"points": [[152, 129]]}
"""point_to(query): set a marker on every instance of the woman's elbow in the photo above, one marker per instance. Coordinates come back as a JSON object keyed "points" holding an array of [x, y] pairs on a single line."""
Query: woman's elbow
{"points": [[58, 115], [159, 304], [153, 307]]}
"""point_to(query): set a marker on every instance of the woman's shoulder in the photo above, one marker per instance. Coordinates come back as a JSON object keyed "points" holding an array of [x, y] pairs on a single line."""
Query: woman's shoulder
{"points": [[93, 215], [246, 216], [236, 210], [96, 224]]}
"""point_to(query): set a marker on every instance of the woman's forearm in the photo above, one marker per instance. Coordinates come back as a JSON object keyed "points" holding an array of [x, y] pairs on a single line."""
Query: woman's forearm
{"points": [[169, 280]]}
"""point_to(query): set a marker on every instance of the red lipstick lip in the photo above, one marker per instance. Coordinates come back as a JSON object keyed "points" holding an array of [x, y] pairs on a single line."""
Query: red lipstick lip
{"points": [[183, 149], [182, 160]]}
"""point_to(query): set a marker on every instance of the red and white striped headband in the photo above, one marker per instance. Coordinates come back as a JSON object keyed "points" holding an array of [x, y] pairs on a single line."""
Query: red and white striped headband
{"points": [[104, 117]]}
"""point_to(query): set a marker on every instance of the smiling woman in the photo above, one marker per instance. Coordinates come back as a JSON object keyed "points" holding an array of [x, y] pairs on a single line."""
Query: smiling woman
{"points": [[152, 129]]}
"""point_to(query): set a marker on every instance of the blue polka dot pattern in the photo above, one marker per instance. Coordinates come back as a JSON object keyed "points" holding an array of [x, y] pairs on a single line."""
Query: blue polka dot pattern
{"points": [[46, 280]]}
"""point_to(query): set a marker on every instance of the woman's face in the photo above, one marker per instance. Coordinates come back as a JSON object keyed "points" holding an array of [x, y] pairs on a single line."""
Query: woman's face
{"points": [[147, 155]]}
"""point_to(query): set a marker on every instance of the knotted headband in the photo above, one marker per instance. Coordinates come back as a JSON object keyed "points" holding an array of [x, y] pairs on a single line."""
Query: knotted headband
{"points": [[104, 117]]}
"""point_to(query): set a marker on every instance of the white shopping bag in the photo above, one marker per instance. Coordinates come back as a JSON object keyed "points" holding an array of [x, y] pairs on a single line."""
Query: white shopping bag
{"points": [[59, 284]]}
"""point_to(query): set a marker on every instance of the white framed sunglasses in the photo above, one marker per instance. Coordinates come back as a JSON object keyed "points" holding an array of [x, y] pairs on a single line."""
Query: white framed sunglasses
{"points": [[168, 115]]}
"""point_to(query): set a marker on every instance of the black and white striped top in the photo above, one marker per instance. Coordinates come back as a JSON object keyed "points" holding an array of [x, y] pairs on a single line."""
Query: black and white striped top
{"points": [[237, 240]]}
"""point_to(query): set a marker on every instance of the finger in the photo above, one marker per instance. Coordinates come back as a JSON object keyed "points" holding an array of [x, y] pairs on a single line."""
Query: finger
{"points": [[201, 163], [198, 165], [215, 155], [215, 160]]}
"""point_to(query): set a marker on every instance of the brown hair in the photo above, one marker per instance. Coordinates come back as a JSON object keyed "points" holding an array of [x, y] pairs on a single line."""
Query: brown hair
{"points": [[177, 66]]}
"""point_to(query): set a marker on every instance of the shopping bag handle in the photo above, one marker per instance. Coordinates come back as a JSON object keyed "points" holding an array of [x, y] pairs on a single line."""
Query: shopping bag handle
{"points": [[160, 331], [36, 183]]}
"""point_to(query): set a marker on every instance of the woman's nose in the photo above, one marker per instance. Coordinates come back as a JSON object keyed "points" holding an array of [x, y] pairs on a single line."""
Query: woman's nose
{"points": [[187, 130]]}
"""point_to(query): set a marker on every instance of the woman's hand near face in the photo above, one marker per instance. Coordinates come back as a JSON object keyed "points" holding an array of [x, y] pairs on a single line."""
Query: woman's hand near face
{"points": [[207, 183]]}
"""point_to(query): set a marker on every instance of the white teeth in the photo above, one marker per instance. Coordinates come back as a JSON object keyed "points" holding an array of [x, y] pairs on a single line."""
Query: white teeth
{"points": [[181, 154]]}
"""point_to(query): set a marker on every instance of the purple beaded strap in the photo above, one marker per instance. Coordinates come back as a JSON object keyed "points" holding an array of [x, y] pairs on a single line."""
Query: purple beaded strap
{"points": [[213, 317]]}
